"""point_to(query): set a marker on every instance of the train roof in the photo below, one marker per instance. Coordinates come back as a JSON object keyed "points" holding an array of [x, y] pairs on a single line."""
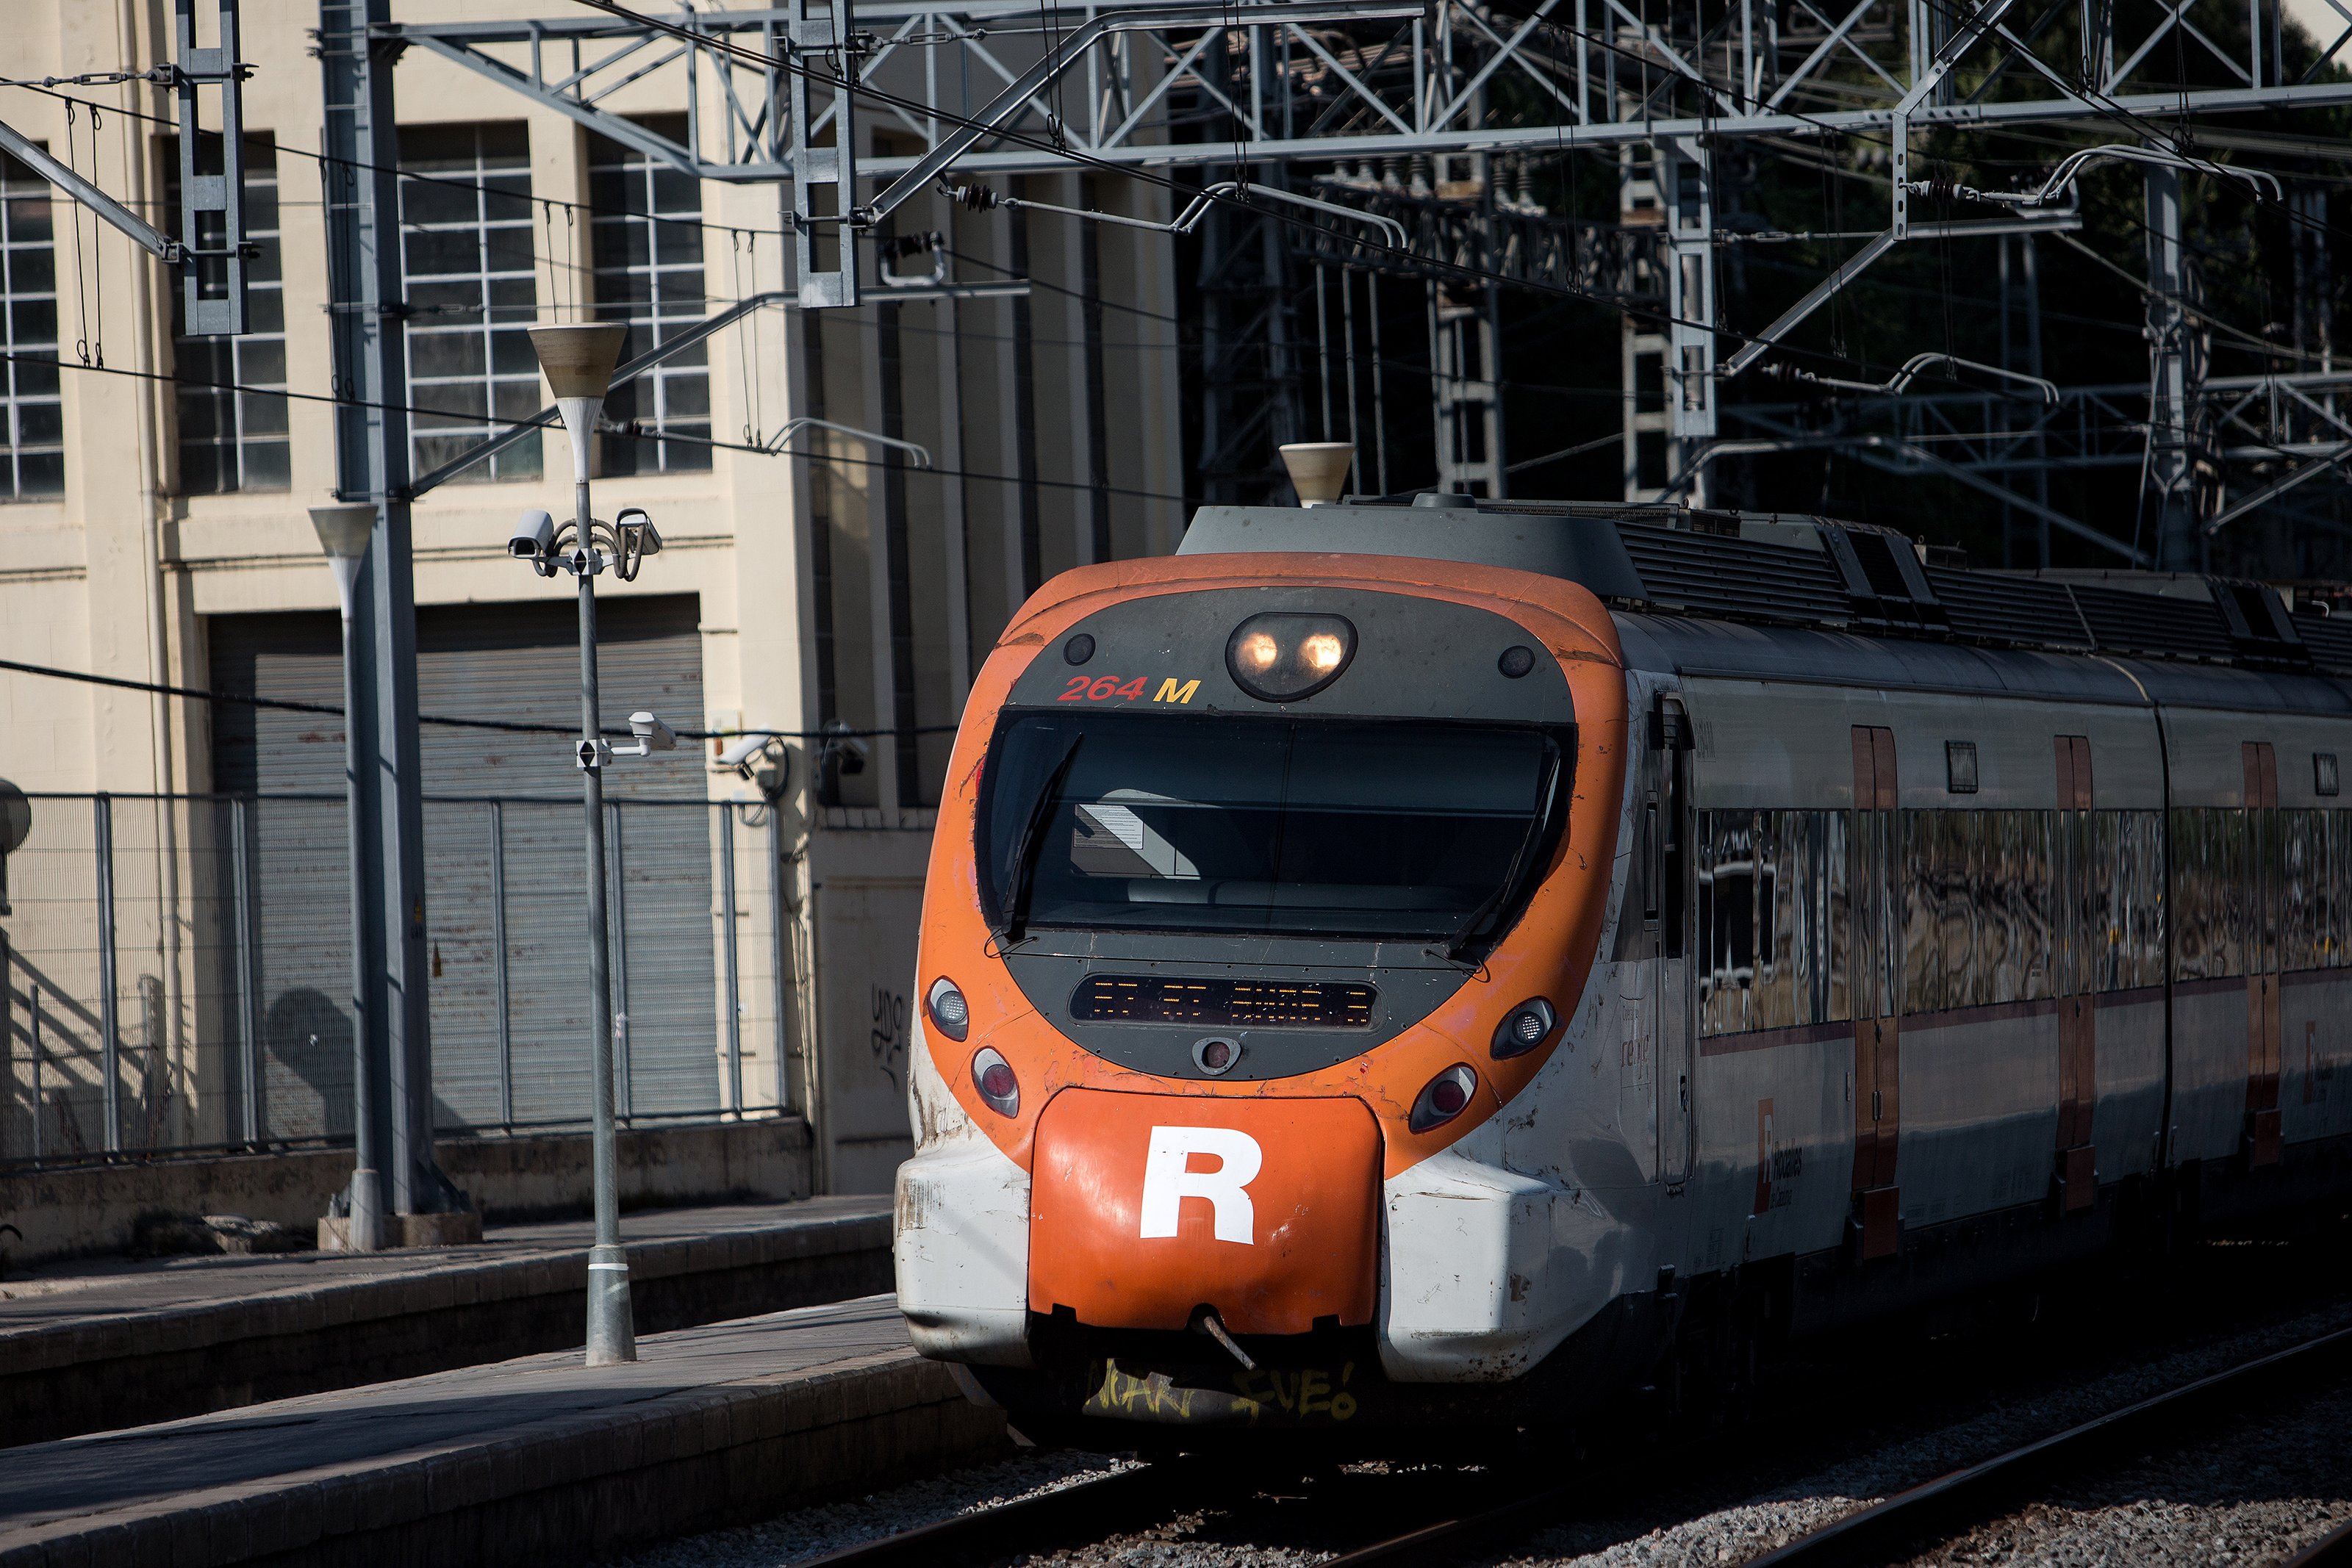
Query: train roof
{"points": [[1846, 580]]}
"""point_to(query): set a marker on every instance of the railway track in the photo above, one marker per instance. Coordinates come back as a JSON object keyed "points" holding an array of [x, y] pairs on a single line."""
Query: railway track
{"points": [[1951, 1502], [1422, 1530], [1152, 1494], [1433, 1514]]}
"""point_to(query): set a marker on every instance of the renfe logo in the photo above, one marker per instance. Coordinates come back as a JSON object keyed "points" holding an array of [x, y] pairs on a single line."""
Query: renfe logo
{"points": [[1168, 1181]]}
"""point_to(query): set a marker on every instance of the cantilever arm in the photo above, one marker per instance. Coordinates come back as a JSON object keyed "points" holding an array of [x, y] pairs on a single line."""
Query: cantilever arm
{"points": [[1190, 218], [147, 237], [810, 422]]}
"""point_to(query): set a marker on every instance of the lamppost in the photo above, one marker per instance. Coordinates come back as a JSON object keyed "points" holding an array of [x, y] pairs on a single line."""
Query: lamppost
{"points": [[343, 533], [578, 362]]}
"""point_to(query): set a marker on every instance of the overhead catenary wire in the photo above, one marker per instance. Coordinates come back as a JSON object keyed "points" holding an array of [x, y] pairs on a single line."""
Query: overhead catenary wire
{"points": [[507, 726], [1058, 145]]}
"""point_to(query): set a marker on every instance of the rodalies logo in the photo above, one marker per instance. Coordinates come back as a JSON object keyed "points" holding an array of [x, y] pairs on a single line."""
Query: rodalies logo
{"points": [[1168, 1179]]}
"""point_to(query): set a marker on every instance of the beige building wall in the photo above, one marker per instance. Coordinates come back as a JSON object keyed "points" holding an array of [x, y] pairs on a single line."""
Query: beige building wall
{"points": [[120, 576]]}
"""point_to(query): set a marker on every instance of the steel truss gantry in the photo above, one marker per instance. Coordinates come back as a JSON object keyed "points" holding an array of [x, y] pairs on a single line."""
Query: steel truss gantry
{"points": [[1353, 93]]}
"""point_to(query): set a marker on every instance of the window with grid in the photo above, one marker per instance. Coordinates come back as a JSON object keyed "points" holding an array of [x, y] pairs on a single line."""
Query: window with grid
{"points": [[235, 439], [32, 417], [466, 228], [649, 275]]}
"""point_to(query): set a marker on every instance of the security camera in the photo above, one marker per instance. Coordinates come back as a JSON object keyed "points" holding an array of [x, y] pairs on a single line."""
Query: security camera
{"points": [[531, 537], [847, 754], [648, 540], [652, 733], [739, 757]]}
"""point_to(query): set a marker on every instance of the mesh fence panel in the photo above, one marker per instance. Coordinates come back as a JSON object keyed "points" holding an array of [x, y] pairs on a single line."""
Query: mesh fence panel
{"points": [[194, 954]]}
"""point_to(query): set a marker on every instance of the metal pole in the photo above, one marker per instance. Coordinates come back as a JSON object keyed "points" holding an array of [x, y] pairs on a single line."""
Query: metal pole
{"points": [[366, 1194], [616, 849], [102, 808], [498, 961], [1323, 349], [612, 1336], [361, 207], [780, 978], [2170, 489], [1348, 330], [734, 995], [248, 994], [1380, 405], [35, 998]]}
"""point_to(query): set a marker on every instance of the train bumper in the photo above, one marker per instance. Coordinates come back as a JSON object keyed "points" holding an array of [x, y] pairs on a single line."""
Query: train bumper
{"points": [[960, 1236], [1149, 1207], [1466, 1272], [1485, 1271]]}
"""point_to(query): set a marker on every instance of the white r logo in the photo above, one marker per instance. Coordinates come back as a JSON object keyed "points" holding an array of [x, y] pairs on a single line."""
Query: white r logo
{"points": [[1167, 1181]]}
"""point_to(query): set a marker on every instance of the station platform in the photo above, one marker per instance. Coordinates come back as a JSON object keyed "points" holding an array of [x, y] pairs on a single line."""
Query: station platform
{"points": [[100, 1345], [531, 1459]]}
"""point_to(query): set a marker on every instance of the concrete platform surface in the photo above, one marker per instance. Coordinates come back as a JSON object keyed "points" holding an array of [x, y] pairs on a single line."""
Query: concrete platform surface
{"points": [[525, 1460], [93, 1346]]}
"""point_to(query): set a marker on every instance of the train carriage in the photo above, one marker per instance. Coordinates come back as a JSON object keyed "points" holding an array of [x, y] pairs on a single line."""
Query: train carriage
{"points": [[1391, 966]]}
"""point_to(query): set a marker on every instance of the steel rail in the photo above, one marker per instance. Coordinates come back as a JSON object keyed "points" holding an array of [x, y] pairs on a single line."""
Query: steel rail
{"points": [[1014, 1526], [2332, 1550], [1932, 1506], [1871, 1534]]}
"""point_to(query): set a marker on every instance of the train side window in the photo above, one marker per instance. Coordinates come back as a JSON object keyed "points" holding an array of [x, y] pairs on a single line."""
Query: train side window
{"points": [[2208, 847], [2323, 773], [1772, 920]]}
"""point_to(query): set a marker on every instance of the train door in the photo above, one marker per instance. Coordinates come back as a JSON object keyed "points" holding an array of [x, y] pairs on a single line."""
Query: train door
{"points": [[1668, 904], [2079, 942], [2263, 881], [1877, 956]]}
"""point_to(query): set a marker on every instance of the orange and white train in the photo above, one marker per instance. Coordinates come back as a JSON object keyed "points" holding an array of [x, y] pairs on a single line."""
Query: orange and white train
{"points": [[1385, 967]]}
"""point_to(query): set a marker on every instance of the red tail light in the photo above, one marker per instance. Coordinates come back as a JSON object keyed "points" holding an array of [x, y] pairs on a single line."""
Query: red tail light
{"points": [[992, 1076], [1448, 1096]]}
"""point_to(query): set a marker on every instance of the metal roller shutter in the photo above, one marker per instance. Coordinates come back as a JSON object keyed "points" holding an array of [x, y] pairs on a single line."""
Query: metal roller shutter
{"points": [[484, 789]]}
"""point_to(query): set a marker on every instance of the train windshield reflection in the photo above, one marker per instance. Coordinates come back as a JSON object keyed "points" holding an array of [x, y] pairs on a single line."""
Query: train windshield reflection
{"points": [[1237, 823]]}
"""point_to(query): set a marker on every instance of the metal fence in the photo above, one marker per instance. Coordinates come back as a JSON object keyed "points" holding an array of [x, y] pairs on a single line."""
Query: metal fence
{"points": [[175, 971]]}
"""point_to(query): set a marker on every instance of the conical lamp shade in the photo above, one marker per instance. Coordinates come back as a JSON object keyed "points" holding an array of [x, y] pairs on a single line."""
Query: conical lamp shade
{"points": [[1318, 468], [579, 359]]}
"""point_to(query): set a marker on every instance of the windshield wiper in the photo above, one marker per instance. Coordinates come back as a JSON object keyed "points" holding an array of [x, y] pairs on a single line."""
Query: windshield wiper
{"points": [[1459, 942], [1016, 902]]}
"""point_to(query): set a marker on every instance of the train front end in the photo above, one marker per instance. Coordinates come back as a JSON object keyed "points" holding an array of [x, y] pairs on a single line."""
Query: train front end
{"points": [[1264, 886]]}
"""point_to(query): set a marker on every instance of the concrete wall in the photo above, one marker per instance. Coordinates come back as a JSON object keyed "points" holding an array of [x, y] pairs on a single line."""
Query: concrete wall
{"points": [[90, 1211]]}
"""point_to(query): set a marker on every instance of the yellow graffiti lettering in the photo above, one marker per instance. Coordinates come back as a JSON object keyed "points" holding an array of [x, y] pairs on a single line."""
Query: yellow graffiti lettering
{"points": [[1170, 693]]}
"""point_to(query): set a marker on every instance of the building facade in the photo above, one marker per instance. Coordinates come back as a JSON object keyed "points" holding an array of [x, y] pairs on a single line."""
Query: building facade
{"points": [[153, 529]]}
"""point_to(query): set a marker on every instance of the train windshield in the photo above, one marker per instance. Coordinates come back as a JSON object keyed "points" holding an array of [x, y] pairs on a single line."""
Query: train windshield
{"points": [[1235, 823]]}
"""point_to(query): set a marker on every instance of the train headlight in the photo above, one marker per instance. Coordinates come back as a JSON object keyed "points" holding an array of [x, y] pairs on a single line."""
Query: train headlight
{"points": [[992, 1076], [1279, 657], [949, 1015], [1446, 1097], [1524, 1028]]}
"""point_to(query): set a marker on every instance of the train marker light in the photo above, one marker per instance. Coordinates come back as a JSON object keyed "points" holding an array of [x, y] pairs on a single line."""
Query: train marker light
{"points": [[1280, 657], [1446, 1096], [992, 1076], [1216, 1053], [1524, 1028], [949, 1015]]}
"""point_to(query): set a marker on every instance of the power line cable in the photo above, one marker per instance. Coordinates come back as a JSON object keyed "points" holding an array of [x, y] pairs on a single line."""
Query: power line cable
{"points": [[509, 727]]}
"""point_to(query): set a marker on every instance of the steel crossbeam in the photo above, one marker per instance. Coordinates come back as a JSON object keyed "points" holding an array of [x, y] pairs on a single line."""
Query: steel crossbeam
{"points": [[1317, 80], [1368, 89]]}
